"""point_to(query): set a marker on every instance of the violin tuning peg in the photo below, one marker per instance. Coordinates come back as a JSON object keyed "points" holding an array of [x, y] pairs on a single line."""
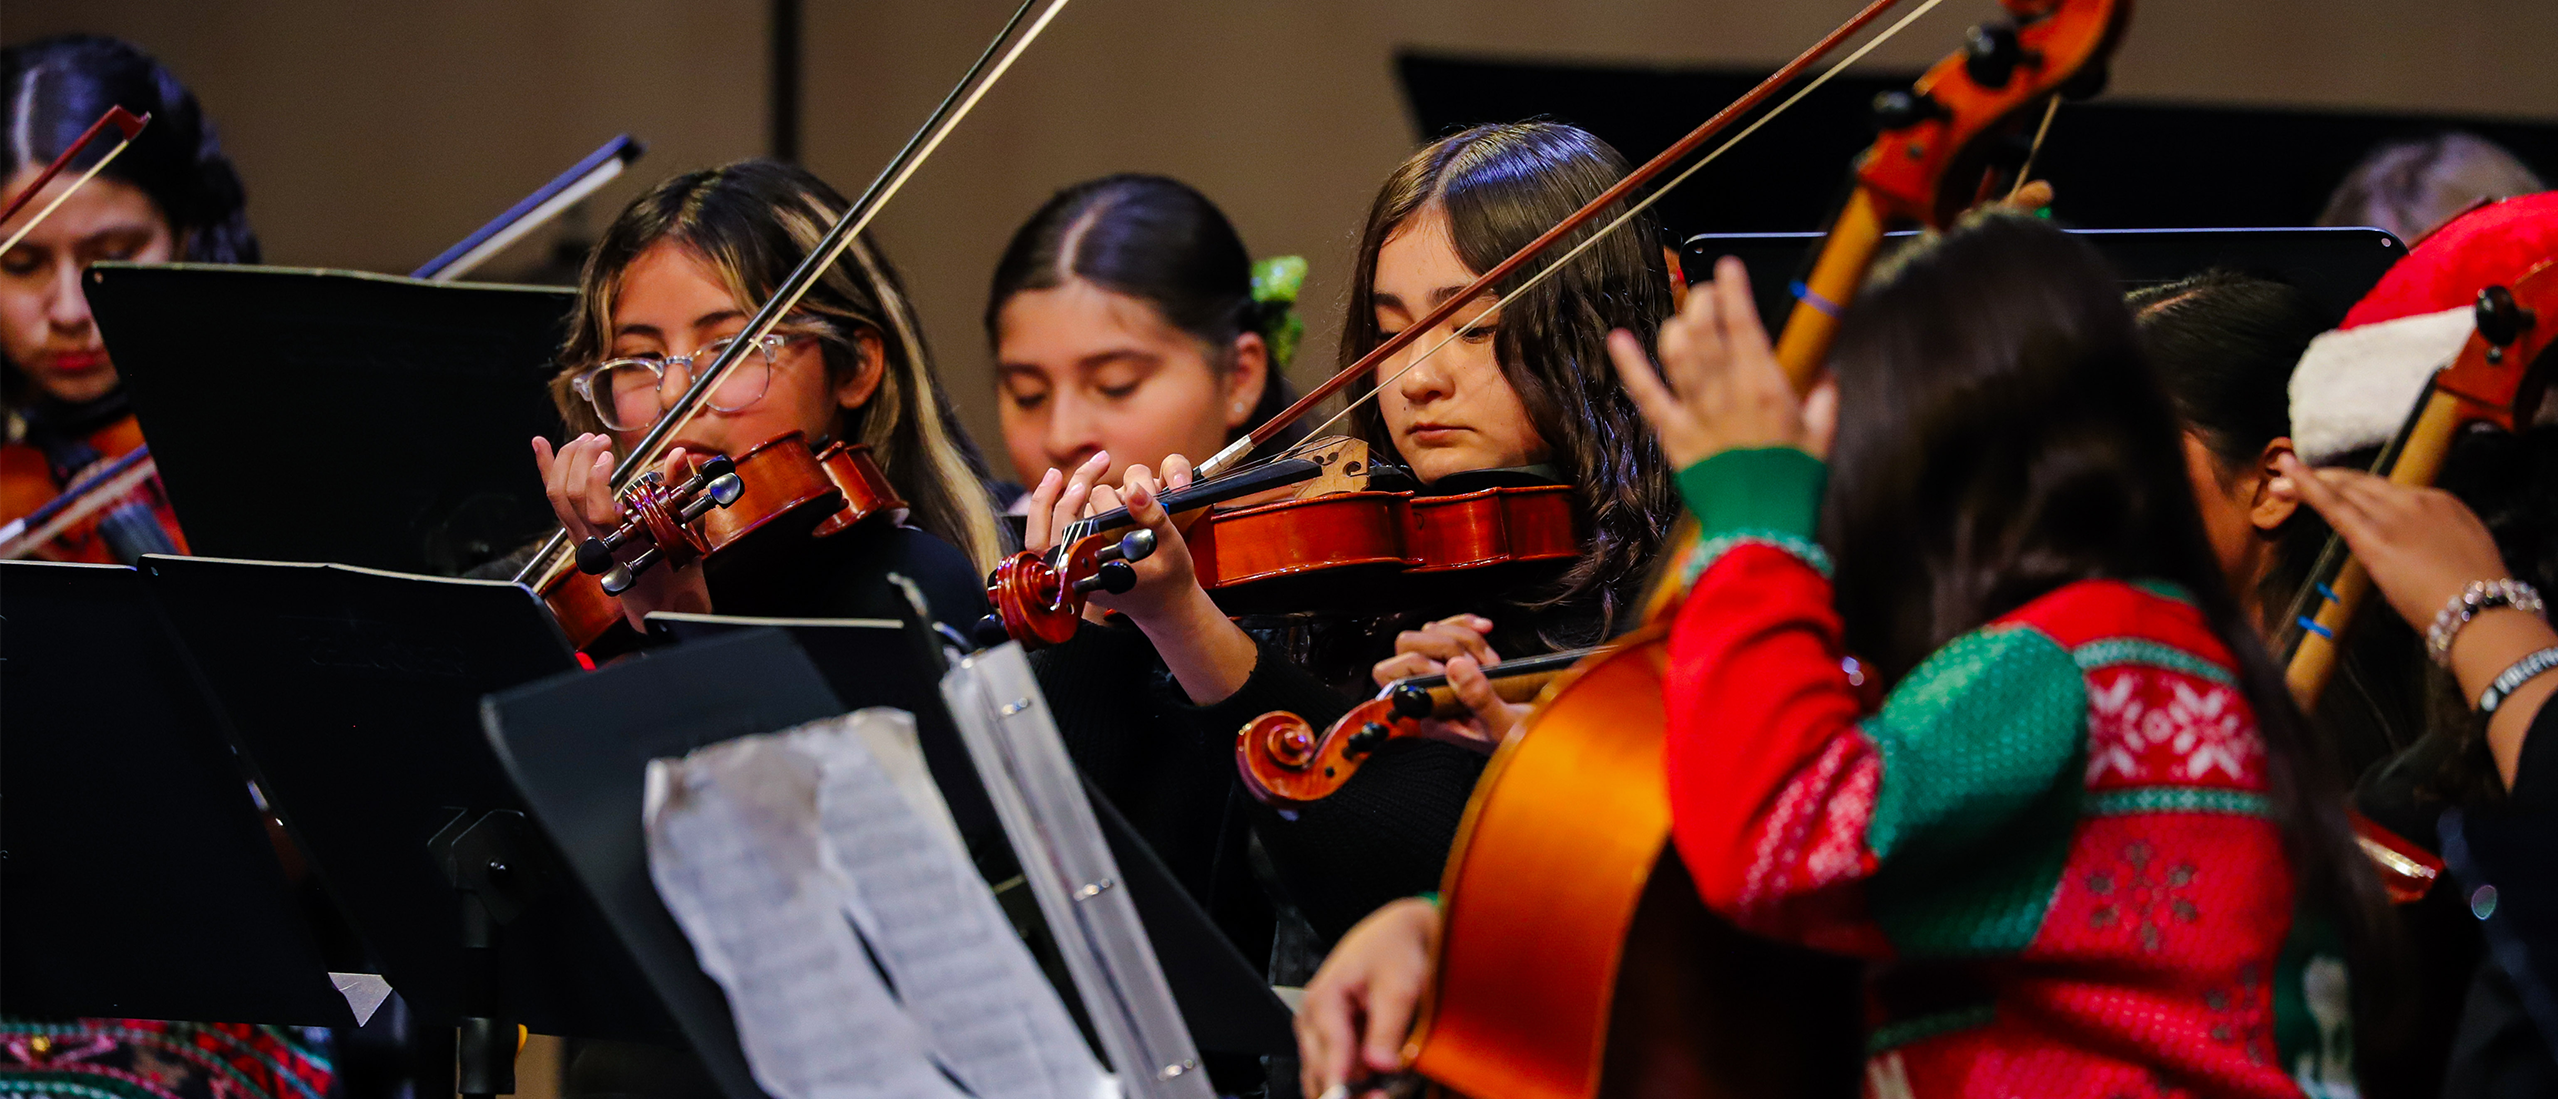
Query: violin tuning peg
{"points": [[990, 632], [725, 488], [1903, 108], [1991, 53], [593, 557], [1410, 701], [1137, 545], [617, 579], [1115, 577], [1369, 737], [2501, 320], [719, 465]]}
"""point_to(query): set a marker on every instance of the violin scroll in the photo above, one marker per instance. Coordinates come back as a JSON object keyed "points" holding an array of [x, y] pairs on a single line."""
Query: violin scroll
{"points": [[1037, 602], [660, 517]]}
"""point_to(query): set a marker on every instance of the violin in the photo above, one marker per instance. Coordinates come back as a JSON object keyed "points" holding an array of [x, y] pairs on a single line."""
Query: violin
{"points": [[1576, 953], [729, 513], [116, 509], [998, 57], [1285, 764], [1338, 543], [111, 513]]}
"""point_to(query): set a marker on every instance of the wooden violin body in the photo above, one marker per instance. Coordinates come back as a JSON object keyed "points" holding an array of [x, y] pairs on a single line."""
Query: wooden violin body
{"points": [[27, 488], [1285, 764], [1334, 546], [1376, 551], [786, 493]]}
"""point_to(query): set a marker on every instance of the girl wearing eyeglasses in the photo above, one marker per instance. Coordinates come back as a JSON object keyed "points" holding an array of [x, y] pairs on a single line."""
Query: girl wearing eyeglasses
{"points": [[670, 286]]}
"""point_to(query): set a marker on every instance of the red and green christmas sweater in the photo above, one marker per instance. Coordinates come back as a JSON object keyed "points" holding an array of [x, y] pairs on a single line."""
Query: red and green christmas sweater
{"points": [[2052, 841]]}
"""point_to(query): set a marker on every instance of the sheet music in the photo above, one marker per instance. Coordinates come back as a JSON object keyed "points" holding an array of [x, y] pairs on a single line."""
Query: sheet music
{"points": [[784, 856]]}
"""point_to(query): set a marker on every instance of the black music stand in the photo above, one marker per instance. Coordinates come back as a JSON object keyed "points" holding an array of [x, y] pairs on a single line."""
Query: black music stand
{"points": [[1223, 998], [138, 881], [2334, 267], [228, 366], [354, 695], [579, 747]]}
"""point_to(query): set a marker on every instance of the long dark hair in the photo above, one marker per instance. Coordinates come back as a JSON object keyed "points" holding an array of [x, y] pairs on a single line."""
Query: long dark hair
{"points": [[53, 89], [754, 221], [1161, 242], [2000, 435], [2224, 343], [1503, 186], [57, 87]]}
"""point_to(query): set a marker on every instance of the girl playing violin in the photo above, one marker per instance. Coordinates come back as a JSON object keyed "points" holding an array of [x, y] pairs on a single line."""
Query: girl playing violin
{"points": [[1522, 393], [1127, 317], [2072, 841], [674, 278], [171, 196]]}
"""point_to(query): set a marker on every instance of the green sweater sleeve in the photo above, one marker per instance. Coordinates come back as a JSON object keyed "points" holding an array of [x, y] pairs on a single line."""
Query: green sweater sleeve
{"points": [[1981, 747], [1769, 490], [1769, 496]]}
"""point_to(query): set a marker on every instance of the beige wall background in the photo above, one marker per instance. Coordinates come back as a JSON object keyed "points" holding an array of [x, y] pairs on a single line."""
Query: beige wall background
{"points": [[374, 134]]}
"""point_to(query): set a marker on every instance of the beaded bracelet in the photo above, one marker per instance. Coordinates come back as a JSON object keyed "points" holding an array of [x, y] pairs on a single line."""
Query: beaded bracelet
{"points": [[2523, 671], [2480, 595]]}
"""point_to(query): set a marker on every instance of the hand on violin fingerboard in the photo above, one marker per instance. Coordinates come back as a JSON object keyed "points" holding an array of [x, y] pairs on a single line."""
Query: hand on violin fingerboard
{"points": [[578, 480], [1457, 648], [1207, 654], [1719, 386]]}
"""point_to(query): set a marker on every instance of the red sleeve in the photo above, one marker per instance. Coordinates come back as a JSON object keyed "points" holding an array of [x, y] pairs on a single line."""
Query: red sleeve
{"points": [[1771, 783]]}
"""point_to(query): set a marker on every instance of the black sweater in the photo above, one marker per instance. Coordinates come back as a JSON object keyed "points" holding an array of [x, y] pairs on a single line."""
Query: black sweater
{"points": [[2470, 1034]]}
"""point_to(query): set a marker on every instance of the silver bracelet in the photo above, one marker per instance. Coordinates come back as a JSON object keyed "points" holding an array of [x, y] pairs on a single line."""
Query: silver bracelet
{"points": [[2480, 595], [2523, 671]]}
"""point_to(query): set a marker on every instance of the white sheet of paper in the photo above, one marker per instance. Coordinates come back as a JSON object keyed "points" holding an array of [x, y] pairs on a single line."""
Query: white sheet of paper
{"points": [[784, 855], [961, 973]]}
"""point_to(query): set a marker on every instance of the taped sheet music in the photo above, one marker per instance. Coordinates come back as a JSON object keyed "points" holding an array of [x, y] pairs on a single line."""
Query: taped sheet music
{"points": [[794, 861]]}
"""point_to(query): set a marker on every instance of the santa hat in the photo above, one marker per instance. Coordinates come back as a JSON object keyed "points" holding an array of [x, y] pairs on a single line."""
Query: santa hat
{"points": [[2355, 386]]}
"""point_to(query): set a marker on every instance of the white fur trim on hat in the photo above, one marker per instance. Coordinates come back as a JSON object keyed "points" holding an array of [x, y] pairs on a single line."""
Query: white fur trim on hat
{"points": [[2355, 386]]}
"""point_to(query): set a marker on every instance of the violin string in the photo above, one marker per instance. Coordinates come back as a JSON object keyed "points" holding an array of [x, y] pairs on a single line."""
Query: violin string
{"points": [[546, 563], [896, 183], [2025, 171], [66, 194], [1594, 238]]}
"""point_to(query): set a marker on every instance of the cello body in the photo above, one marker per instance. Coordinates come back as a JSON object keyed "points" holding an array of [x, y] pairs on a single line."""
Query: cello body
{"points": [[1565, 871], [1577, 959]]}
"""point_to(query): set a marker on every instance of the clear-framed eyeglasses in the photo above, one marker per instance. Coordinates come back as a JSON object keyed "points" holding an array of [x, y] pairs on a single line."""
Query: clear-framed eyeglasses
{"points": [[630, 394]]}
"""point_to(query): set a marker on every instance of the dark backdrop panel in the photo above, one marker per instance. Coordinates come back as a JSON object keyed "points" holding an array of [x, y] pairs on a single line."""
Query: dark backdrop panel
{"points": [[2115, 164]]}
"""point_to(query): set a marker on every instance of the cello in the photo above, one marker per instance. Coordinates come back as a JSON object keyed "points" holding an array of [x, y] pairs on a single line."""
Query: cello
{"points": [[1632, 984], [2498, 380]]}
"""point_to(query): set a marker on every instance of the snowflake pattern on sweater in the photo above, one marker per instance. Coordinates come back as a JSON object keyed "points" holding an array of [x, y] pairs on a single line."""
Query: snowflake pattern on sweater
{"points": [[2053, 842]]}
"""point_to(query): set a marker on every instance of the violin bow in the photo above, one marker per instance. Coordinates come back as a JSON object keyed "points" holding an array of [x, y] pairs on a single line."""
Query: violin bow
{"points": [[108, 486], [972, 87], [125, 122], [536, 210], [1650, 170]]}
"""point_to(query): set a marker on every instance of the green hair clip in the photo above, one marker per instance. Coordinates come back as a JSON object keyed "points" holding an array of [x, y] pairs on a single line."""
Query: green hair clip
{"points": [[1275, 283]]}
